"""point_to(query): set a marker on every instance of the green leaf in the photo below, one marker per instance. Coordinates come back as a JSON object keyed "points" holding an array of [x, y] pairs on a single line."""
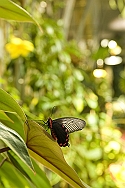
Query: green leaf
{"points": [[16, 143], [11, 11], [94, 154], [10, 177], [16, 123], [7, 103], [38, 179], [11, 109], [3, 116], [45, 149]]}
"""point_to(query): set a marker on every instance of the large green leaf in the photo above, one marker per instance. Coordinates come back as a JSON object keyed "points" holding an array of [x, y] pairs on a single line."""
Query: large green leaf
{"points": [[38, 179], [11, 11], [11, 114], [7, 103], [15, 143], [46, 150], [10, 177], [13, 121]]}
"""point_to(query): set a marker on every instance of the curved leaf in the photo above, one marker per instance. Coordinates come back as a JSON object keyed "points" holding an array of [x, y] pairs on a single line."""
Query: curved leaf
{"points": [[16, 123], [16, 143], [4, 117], [38, 179], [45, 150], [7, 103], [10, 110], [9, 176], [11, 11]]}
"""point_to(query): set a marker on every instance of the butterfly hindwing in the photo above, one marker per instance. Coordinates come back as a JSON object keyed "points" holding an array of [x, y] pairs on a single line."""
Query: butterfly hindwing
{"points": [[61, 134]]}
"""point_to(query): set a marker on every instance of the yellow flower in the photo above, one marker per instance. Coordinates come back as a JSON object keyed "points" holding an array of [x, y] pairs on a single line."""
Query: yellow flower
{"points": [[17, 47]]}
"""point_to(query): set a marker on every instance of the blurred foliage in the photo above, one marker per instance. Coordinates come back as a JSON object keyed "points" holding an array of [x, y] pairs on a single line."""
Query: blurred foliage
{"points": [[118, 4], [54, 75]]}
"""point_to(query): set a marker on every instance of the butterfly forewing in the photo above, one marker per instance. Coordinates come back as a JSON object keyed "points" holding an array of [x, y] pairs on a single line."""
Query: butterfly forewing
{"points": [[72, 124]]}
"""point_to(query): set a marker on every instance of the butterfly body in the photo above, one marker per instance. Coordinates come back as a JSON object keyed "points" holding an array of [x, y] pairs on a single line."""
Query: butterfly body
{"points": [[61, 127]]}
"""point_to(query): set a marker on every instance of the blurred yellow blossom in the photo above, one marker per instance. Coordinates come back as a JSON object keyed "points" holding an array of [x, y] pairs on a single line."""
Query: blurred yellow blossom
{"points": [[17, 47], [118, 173]]}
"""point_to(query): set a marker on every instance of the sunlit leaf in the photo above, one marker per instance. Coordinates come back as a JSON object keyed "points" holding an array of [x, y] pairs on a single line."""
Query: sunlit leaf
{"points": [[17, 124], [93, 154], [3, 116], [11, 11], [92, 104], [45, 150], [78, 103], [13, 111], [7, 103]]}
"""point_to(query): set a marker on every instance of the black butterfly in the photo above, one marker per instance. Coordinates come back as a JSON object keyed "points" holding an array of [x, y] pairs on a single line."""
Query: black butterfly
{"points": [[61, 127]]}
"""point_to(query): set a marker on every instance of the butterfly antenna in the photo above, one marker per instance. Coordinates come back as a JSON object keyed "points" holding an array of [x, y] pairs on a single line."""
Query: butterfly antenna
{"points": [[47, 129], [53, 110], [44, 122]]}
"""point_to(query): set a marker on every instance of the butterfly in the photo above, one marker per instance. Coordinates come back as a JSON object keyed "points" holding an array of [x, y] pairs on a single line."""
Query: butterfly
{"points": [[61, 127]]}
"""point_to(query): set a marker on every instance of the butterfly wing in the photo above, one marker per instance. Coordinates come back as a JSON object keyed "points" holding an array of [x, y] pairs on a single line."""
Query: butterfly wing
{"points": [[70, 123], [60, 133]]}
